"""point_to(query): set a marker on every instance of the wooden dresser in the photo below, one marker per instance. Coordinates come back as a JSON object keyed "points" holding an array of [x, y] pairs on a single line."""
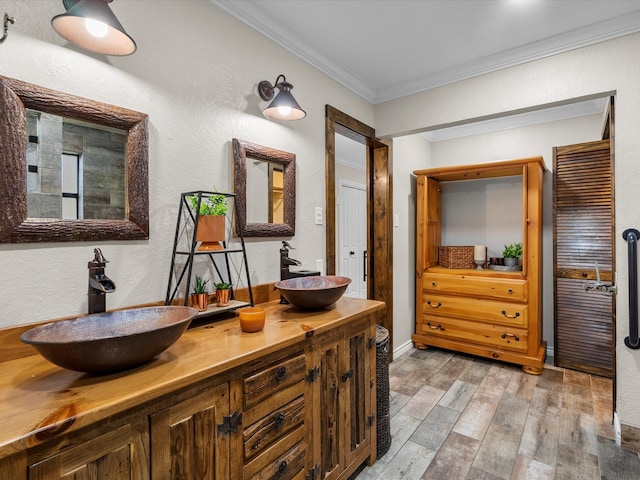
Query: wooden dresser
{"points": [[491, 313]]}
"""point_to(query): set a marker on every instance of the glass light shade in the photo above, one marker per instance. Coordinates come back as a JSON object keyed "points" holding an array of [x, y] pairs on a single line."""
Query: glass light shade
{"points": [[92, 25], [284, 106]]}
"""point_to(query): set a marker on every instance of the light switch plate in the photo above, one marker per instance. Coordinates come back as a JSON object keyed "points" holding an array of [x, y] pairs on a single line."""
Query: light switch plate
{"points": [[318, 215]]}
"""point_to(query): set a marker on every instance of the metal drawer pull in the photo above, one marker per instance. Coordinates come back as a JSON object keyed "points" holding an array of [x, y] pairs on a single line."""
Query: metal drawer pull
{"points": [[281, 372], [510, 291], [347, 375], [432, 305], [279, 419], [504, 312], [282, 467], [511, 335], [438, 327]]}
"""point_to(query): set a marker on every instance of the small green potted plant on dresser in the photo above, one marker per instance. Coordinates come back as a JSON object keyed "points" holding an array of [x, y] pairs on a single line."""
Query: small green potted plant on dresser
{"points": [[200, 296], [511, 254], [211, 220], [223, 294]]}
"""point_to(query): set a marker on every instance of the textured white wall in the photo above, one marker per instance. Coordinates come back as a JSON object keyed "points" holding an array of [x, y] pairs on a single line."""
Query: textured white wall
{"points": [[195, 74], [409, 153], [589, 71]]}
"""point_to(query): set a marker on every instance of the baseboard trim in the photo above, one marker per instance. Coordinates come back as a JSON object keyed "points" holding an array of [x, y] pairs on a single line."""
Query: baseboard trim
{"points": [[402, 349]]}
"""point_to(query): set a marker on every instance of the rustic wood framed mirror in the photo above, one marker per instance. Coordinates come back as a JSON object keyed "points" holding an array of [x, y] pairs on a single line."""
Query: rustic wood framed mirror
{"points": [[265, 186], [16, 99]]}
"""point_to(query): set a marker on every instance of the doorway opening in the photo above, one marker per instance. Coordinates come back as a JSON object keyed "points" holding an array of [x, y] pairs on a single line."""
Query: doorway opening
{"points": [[379, 235]]}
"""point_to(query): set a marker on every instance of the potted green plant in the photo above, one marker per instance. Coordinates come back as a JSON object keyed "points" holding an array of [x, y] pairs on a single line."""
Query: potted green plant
{"points": [[223, 294], [212, 209], [511, 254], [200, 296]]}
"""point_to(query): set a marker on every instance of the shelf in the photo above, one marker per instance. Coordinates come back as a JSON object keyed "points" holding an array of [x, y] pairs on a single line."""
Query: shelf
{"points": [[475, 272], [210, 252], [213, 309]]}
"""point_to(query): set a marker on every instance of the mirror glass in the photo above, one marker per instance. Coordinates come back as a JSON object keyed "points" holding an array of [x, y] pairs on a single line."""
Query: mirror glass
{"points": [[265, 192], [264, 184], [74, 169]]}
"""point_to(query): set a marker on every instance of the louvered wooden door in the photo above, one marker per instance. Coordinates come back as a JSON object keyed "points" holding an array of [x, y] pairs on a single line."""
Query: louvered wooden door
{"points": [[583, 235]]}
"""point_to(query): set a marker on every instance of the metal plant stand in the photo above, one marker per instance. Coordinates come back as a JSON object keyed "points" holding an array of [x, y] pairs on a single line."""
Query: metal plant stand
{"points": [[228, 264]]}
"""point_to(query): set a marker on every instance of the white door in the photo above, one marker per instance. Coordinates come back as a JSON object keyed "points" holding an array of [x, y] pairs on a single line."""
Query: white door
{"points": [[352, 237]]}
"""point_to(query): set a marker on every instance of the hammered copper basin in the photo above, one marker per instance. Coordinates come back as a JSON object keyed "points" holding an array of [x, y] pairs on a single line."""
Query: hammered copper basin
{"points": [[111, 341], [313, 293]]}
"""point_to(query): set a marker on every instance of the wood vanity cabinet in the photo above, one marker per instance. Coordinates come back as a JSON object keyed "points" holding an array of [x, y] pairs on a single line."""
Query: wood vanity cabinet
{"points": [[491, 313], [301, 407]]}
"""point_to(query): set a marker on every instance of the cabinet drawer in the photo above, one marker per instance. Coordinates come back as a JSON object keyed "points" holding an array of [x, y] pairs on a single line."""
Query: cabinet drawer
{"points": [[505, 288], [270, 428], [487, 311], [271, 380], [505, 338], [285, 460]]}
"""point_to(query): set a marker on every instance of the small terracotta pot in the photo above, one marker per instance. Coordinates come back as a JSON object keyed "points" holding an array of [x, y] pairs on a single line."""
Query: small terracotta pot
{"points": [[223, 297], [200, 301]]}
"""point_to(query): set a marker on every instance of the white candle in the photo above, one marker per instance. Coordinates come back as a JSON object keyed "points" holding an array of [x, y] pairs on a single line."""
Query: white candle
{"points": [[479, 252]]}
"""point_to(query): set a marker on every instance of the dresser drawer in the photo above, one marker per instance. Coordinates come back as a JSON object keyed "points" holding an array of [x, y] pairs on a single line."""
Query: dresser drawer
{"points": [[506, 288], [270, 381], [500, 336], [264, 432], [487, 311], [284, 461]]}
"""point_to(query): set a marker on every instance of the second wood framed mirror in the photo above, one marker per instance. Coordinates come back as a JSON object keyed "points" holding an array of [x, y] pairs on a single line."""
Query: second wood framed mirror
{"points": [[265, 186]]}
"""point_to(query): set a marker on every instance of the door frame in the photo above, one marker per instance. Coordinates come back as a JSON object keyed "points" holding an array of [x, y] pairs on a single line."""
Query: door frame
{"points": [[379, 208]]}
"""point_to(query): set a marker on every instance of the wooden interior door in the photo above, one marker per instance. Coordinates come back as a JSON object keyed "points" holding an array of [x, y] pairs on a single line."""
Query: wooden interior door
{"points": [[583, 232]]}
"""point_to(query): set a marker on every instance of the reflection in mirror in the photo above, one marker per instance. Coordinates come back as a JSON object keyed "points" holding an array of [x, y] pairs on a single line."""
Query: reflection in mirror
{"points": [[24, 107], [264, 183], [265, 192], [75, 170]]}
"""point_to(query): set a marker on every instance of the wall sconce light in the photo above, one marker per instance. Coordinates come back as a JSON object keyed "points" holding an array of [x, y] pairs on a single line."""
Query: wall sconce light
{"points": [[7, 20], [92, 25], [284, 106]]}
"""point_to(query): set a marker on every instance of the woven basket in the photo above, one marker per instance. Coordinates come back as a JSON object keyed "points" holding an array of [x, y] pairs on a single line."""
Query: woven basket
{"points": [[456, 257], [383, 397]]}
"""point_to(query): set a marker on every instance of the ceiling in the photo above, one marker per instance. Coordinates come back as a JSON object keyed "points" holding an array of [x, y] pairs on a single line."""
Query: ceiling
{"points": [[386, 49]]}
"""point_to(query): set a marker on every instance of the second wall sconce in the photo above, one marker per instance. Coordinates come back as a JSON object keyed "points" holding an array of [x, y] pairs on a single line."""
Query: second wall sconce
{"points": [[284, 106], [92, 25]]}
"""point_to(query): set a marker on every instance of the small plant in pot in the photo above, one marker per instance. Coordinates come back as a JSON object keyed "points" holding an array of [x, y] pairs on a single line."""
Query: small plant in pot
{"points": [[211, 219], [223, 294], [200, 296], [511, 254]]}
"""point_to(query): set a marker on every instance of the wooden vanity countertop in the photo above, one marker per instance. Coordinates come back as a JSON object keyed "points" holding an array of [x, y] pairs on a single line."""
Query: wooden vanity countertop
{"points": [[40, 400]]}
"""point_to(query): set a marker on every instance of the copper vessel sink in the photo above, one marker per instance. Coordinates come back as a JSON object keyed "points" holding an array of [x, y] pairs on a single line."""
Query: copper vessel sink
{"points": [[111, 341], [313, 293]]}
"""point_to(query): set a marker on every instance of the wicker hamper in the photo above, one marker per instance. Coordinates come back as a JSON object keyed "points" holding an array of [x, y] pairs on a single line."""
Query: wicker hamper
{"points": [[382, 390], [456, 257]]}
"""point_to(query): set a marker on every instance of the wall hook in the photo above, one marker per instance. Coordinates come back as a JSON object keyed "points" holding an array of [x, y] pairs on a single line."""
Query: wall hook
{"points": [[7, 21]]}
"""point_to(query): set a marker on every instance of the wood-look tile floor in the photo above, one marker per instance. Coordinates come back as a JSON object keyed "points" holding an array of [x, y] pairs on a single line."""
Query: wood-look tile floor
{"points": [[460, 417]]}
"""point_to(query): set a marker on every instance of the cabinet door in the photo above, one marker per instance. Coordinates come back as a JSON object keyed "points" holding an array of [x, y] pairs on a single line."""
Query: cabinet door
{"points": [[359, 385], [346, 389], [121, 454], [329, 384], [185, 439]]}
